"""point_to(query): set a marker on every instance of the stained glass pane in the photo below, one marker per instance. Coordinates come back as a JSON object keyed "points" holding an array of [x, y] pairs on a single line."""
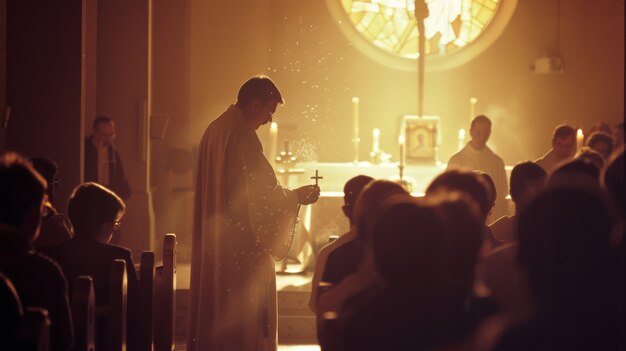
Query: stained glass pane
{"points": [[390, 24]]}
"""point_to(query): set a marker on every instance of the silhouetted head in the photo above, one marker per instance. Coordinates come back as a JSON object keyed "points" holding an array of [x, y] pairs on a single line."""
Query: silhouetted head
{"points": [[492, 192], [258, 99], [564, 246], [480, 130], [527, 180], [48, 170], [95, 212], [464, 181], [351, 191], [371, 199], [564, 141], [104, 131], [578, 172], [22, 193], [613, 179], [591, 155], [601, 142]]}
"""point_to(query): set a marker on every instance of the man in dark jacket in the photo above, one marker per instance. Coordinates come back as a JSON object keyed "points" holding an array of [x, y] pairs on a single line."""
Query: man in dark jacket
{"points": [[103, 163]]}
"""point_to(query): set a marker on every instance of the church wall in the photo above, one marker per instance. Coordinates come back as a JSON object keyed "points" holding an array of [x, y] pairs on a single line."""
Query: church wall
{"points": [[230, 42], [319, 72]]}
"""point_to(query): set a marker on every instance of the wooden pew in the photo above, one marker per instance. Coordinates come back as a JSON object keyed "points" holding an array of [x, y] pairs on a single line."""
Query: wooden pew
{"points": [[21, 329], [111, 319], [83, 304], [146, 302], [165, 297]]}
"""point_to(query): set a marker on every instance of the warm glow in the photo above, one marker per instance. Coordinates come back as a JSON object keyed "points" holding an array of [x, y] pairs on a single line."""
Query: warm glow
{"points": [[401, 140], [355, 100], [376, 132], [461, 133], [274, 126], [390, 24]]}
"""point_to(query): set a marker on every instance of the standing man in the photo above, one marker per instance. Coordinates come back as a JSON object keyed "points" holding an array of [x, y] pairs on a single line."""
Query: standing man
{"points": [[477, 156], [103, 163], [243, 220], [563, 147]]}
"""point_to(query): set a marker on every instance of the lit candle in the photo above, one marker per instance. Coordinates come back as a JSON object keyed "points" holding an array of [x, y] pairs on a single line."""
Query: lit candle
{"points": [[580, 137], [401, 142], [355, 127], [461, 144], [473, 102], [375, 143], [273, 142]]}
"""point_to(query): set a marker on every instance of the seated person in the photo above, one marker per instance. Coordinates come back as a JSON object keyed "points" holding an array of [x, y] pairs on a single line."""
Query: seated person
{"points": [[563, 148], [369, 202], [95, 213], [601, 142], [38, 280], [527, 180], [54, 226], [340, 258], [424, 252], [565, 251], [592, 155]]}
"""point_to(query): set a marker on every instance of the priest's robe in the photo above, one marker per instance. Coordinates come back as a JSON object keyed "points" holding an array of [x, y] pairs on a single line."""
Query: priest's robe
{"points": [[486, 161], [243, 218]]}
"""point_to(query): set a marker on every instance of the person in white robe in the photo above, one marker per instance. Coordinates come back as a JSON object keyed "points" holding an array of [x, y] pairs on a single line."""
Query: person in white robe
{"points": [[243, 220], [563, 148], [477, 156]]}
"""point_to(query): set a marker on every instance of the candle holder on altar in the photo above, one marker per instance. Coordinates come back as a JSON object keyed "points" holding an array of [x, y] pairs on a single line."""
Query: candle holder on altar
{"points": [[286, 157], [407, 182]]}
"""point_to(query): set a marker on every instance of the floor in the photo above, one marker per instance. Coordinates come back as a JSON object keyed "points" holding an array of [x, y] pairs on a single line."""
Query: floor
{"points": [[289, 282]]}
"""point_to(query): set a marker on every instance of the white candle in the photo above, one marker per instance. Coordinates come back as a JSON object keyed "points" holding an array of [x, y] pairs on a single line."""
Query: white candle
{"points": [[580, 138], [461, 139], [473, 102], [273, 142], [355, 127], [355, 117], [376, 137], [401, 142]]}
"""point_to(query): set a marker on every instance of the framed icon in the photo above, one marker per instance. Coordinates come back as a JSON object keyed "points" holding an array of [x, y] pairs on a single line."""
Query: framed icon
{"points": [[422, 138]]}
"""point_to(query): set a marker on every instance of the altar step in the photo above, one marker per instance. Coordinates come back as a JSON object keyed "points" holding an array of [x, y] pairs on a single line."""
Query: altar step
{"points": [[296, 323]]}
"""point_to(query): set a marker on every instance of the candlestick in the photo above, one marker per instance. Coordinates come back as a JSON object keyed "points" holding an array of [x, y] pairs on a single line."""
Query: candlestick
{"points": [[355, 127], [473, 102], [273, 142], [461, 144], [376, 142], [580, 137], [401, 142]]}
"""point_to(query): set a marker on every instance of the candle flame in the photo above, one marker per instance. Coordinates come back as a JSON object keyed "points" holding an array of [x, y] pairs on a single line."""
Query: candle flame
{"points": [[376, 132], [461, 133], [579, 133], [401, 140], [473, 100], [355, 100], [274, 126]]}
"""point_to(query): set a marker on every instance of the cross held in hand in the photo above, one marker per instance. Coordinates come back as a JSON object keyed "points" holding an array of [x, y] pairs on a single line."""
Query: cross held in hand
{"points": [[316, 177]]}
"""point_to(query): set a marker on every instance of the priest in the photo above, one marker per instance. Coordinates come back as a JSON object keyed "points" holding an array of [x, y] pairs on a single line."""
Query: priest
{"points": [[244, 219], [477, 156]]}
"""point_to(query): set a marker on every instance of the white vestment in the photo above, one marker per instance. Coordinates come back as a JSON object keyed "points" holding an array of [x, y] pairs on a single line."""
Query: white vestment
{"points": [[242, 217], [486, 161]]}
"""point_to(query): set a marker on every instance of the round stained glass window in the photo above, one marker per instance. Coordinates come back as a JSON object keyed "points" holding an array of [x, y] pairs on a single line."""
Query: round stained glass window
{"points": [[455, 30]]}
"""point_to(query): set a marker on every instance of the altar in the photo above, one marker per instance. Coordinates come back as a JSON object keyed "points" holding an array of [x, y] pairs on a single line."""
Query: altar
{"points": [[319, 221], [336, 174]]}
